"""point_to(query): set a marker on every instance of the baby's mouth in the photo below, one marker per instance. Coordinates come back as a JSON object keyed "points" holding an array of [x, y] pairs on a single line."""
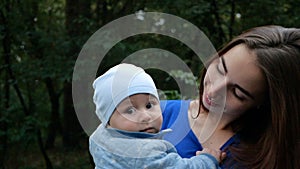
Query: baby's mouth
{"points": [[149, 130]]}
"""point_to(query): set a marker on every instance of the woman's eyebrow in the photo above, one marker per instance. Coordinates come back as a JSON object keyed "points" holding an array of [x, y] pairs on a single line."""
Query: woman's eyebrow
{"points": [[223, 63], [236, 85]]}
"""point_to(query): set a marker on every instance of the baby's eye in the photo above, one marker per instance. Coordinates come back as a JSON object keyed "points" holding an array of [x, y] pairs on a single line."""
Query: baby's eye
{"points": [[130, 110], [149, 105]]}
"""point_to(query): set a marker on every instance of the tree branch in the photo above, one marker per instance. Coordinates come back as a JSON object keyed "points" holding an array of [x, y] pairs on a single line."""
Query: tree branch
{"points": [[215, 11]]}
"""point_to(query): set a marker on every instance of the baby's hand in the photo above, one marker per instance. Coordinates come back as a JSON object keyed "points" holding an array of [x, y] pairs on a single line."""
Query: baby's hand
{"points": [[220, 156]]}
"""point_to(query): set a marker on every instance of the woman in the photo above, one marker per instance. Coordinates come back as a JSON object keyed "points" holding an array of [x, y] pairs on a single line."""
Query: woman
{"points": [[253, 86]]}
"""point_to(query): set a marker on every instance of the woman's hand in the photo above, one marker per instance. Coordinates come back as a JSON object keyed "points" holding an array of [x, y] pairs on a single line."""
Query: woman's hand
{"points": [[218, 154]]}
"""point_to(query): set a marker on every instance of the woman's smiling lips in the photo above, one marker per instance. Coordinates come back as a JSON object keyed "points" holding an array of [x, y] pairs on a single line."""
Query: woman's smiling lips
{"points": [[209, 102]]}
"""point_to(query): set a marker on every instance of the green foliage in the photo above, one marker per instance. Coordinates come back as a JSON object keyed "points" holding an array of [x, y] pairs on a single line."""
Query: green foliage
{"points": [[186, 77], [22, 133], [170, 95]]}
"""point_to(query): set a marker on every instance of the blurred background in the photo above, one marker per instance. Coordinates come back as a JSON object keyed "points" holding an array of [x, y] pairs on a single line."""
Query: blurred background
{"points": [[41, 40]]}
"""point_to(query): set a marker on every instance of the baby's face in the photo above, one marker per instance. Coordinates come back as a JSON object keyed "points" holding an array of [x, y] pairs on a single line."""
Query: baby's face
{"points": [[139, 113]]}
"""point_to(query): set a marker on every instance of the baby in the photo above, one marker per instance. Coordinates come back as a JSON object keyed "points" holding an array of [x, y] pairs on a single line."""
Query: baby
{"points": [[129, 136]]}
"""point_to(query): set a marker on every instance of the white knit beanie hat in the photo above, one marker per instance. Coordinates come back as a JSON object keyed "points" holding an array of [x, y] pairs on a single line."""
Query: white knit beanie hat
{"points": [[118, 83]]}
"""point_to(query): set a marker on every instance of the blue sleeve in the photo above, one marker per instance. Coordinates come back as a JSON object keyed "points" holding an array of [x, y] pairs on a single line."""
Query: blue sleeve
{"points": [[182, 137], [175, 117], [171, 109], [174, 161]]}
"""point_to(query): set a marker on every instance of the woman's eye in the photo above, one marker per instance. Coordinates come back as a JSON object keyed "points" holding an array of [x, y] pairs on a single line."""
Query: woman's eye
{"points": [[149, 105], [237, 93]]}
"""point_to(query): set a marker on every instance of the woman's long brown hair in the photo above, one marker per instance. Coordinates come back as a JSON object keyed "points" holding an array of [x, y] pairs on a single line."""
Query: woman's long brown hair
{"points": [[270, 135]]}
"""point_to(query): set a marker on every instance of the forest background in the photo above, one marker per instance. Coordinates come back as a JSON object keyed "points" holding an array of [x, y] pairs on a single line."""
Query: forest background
{"points": [[40, 41]]}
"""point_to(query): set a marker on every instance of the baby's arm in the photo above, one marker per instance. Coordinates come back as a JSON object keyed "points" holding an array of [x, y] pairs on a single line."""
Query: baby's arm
{"points": [[171, 159], [220, 156]]}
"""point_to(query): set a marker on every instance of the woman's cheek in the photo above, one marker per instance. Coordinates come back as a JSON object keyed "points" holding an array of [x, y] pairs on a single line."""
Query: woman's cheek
{"points": [[235, 109]]}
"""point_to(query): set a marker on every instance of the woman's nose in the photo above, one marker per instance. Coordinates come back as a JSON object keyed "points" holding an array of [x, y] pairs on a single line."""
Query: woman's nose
{"points": [[217, 88]]}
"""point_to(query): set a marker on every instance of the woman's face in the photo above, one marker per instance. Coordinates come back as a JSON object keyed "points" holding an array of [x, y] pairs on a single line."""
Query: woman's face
{"points": [[234, 83]]}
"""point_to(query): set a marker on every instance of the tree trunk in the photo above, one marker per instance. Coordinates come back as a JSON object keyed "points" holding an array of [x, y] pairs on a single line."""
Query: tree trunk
{"points": [[43, 150], [6, 43], [232, 18], [215, 11], [72, 128], [55, 124], [10, 76], [75, 30]]}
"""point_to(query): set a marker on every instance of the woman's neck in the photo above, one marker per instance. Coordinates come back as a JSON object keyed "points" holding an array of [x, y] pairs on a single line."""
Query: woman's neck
{"points": [[219, 121], [211, 129]]}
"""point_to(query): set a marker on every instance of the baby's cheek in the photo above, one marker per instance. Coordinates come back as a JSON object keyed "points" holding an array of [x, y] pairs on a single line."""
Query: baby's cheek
{"points": [[159, 121]]}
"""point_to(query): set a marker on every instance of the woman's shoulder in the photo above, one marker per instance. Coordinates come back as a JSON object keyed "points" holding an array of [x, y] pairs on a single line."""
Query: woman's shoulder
{"points": [[174, 110], [179, 103], [174, 106]]}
